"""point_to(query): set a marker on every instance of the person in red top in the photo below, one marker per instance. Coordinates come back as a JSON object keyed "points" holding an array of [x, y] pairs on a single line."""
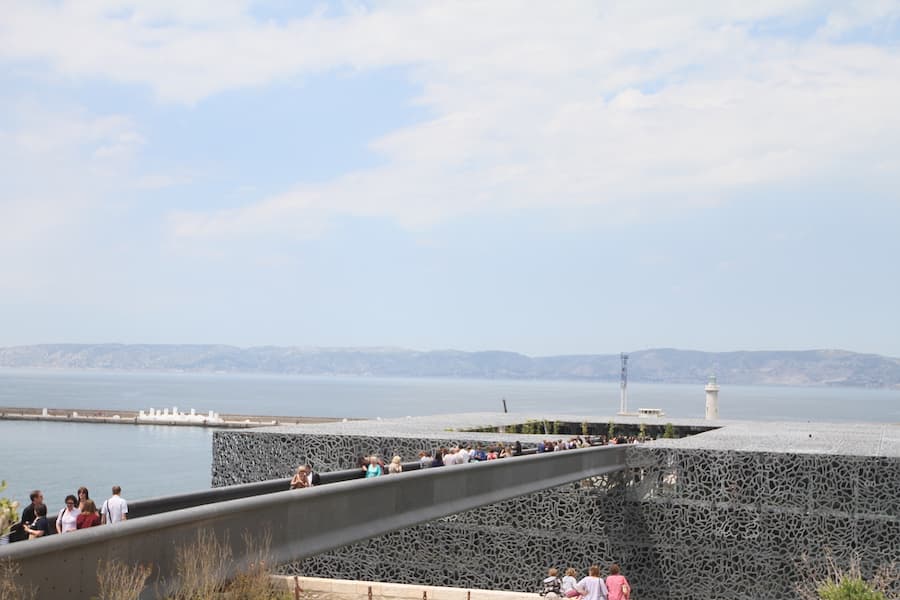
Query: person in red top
{"points": [[88, 516], [618, 586]]}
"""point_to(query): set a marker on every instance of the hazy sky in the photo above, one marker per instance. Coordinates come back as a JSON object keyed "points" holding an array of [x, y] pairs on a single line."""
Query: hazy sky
{"points": [[543, 177]]}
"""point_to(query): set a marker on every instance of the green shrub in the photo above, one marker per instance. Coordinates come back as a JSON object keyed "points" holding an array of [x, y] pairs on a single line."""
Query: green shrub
{"points": [[842, 579], [9, 512], [849, 588]]}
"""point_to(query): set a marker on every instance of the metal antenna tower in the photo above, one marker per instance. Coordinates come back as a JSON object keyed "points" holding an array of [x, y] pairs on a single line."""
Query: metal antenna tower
{"points": [[623, 384]]}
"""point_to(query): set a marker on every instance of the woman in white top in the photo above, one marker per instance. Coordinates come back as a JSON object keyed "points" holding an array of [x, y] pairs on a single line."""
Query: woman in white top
{"points": [[592, 587], [67, 518]]}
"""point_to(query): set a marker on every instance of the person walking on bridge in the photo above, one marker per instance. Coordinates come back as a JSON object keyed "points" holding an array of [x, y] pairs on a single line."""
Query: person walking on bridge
{"points": [[115, 509]]}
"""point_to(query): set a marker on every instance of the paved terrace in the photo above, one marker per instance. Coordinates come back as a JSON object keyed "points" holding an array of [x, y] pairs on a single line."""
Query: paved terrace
{"points": [[837, 438]]}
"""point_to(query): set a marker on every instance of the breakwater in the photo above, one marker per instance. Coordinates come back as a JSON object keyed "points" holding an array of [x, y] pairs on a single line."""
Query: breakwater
{"points": [[132, 417]]}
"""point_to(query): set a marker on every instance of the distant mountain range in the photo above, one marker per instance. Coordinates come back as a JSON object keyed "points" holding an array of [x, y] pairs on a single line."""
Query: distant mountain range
{"points": [[663, 365]]}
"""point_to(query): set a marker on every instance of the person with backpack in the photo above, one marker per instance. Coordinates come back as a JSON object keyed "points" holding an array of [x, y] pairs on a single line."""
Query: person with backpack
{"points": [[115, 509], [550, 586]]}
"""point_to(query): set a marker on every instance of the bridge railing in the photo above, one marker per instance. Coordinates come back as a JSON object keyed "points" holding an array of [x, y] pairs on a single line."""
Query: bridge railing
{"points": [[163, 504], [300, 523]]}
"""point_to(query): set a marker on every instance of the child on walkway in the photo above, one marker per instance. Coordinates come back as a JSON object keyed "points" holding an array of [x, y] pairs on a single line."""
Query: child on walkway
{"points": [[568, 584], [551, 585]]}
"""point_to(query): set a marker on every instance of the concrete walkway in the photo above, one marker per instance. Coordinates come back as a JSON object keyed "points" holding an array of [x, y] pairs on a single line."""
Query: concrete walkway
{"points": [[316, 588]]}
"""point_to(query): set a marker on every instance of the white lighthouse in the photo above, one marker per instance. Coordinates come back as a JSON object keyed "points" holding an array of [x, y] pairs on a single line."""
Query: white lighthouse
{"points": [[712, 399]]}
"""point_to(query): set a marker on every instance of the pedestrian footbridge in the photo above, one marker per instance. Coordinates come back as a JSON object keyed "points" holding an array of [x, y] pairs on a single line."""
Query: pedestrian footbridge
{"points": [[301, 523]]}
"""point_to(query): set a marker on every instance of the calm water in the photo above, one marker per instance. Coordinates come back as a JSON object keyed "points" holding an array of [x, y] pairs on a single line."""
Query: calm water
{"points": [[150, 460], [146, 460]]}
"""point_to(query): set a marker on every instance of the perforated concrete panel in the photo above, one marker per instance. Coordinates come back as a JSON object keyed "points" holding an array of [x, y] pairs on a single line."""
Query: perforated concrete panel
{"points": [[685, 522]]}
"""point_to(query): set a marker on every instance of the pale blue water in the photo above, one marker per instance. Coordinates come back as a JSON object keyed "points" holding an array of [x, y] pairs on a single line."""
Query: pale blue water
{"points": [[146, 460], [150, 461]]}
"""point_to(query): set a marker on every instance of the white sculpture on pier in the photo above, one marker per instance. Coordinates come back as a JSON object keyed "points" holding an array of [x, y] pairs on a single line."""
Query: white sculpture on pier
{"points": [[156, 416]]}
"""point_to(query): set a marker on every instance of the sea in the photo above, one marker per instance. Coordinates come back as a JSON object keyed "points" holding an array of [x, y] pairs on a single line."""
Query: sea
{"points": [[152, 460]]}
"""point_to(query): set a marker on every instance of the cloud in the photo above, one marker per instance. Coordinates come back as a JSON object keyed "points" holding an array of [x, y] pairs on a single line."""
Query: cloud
{"points": [[58, 168], [158, 181], [629, 108], [794, 115]]}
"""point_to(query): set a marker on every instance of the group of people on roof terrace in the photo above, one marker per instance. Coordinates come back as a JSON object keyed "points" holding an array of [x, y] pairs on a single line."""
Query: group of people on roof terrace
{"points": [[78, 512], [373, 465], [591, 587]]}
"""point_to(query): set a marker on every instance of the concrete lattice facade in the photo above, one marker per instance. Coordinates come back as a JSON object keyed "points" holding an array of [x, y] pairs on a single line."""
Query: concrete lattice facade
{"points": [[684, 522]]}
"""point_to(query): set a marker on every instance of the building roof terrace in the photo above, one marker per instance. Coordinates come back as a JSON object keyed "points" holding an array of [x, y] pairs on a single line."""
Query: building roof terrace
{"points": [[839, 438]]}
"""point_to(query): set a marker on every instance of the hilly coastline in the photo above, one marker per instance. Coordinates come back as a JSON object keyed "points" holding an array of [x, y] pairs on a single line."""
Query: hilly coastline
{"points": [[664, 365]]}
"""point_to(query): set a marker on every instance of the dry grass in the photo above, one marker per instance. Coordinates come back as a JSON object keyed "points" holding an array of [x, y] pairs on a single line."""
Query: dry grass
{"points": [[9, 587], [204, 566], [118, 581], [254, 581]]}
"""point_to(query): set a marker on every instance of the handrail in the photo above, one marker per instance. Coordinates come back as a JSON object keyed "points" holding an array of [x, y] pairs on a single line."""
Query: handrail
{"points": [[163, 504]]}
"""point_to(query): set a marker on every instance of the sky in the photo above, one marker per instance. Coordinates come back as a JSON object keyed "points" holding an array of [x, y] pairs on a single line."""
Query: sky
{"points": [[540, 177]]}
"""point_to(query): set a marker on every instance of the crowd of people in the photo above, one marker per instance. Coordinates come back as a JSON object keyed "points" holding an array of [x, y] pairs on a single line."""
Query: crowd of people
{"points": [[591, 587], [374, 466], [79, 511]]}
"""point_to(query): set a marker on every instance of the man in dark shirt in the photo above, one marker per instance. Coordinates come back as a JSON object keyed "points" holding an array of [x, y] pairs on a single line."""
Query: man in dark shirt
{"points": [[28, 516], [41, 525], [313, 476]]}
